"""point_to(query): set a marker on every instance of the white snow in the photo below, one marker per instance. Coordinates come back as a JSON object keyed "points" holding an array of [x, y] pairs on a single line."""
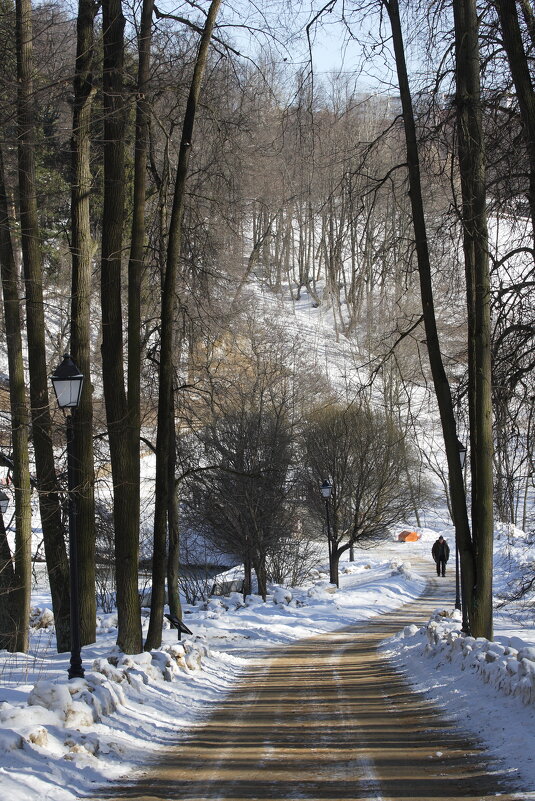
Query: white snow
{"points": [[61, 739], [487, 687]]}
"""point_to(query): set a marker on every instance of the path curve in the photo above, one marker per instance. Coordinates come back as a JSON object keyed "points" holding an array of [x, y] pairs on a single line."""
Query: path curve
{"points": [[327, 719]]}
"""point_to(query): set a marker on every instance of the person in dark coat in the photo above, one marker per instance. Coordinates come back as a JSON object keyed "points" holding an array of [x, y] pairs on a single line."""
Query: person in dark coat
{"points": [[441, 553]]}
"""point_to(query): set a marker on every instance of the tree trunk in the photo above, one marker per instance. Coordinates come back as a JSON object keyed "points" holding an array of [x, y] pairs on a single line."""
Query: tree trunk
{"points": [[137, 252], [261, 577], [16, 605], [529, 19], [82, 253], [247, 576], [475, 245], [440, 381], [334, 576], [123, 469], [173, 554], [165, 373], [518, 64], [51, 520], [8, 615]]}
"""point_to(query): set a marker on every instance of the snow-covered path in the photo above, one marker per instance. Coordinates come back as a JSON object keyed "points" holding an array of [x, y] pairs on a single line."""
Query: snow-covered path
{"points": [[329, 718]]}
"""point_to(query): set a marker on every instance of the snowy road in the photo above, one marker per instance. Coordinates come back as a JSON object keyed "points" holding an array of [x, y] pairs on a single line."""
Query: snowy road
{"points": [[325, 719]]}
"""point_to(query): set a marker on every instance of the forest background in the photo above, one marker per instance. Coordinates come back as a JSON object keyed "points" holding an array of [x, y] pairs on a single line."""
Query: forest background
{"points": [[157, 165]]}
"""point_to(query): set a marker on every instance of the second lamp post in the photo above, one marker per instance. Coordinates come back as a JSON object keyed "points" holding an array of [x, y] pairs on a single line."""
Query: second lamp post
{"points": [[67, 382], [326, 491]]}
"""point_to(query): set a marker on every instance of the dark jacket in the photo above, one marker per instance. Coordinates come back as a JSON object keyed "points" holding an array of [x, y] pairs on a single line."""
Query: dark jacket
{"points": [[440, 551]]}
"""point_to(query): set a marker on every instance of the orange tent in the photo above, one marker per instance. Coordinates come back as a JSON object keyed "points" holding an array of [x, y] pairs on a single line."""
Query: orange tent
{"points": [[409, 536]]}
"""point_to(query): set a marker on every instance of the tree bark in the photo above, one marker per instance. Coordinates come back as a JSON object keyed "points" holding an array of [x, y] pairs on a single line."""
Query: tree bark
{"points": [[261, 576], [137, 252], [8, 620], [165, 373], [518, 64], [247, 576], [440, 380], [82, 253], [475, 245], [49, 504], [120, 436], [334, 566], [15, 583], [173, 554], [529, 18]]}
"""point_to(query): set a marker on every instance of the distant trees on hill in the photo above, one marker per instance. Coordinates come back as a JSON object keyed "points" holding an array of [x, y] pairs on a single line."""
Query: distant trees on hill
{"points": [[373, 473]]}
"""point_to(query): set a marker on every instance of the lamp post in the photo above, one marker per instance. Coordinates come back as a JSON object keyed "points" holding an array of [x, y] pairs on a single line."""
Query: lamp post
{"points": [[326, 491], [67, 382], [462, 459]]}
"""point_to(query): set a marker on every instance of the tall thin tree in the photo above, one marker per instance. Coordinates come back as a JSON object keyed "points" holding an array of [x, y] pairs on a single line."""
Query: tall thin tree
{"points": [[137, 251], [49, 503], [440, 380], [122, 464], [478, 291], [16, 606], [168, 306], [518, 64], [82, 258]]}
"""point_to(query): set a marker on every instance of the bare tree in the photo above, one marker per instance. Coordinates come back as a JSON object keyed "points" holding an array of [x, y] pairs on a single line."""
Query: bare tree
{"points": [[362, 453], [49, 503], [242, 502], [137, 253], [14, 579], [167, 322], [518, 64], [478, 294], [118, 421], [82, 262]]}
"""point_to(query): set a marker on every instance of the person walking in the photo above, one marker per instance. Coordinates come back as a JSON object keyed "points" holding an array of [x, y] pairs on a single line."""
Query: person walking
{"points": [[441, 553]]}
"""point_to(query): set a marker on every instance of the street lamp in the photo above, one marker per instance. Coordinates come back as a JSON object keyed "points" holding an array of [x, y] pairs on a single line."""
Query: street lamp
{"points": [[67, 382], [4, 502], [462, 453], [458, 605], [326, 491]]}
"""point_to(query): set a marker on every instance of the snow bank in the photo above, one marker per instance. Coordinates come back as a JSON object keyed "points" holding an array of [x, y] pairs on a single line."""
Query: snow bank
{"points": [[507, 669], [58, 710]]}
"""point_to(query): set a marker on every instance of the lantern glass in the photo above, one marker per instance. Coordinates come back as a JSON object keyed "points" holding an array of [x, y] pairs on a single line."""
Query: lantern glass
{"points": [[67, 382], [4, 502], [326, 489], [462, 453]]}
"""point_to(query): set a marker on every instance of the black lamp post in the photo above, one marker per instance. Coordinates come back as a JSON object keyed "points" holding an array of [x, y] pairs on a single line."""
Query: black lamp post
{"points": [[67, 382], [326, 491], [462, 459]]}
